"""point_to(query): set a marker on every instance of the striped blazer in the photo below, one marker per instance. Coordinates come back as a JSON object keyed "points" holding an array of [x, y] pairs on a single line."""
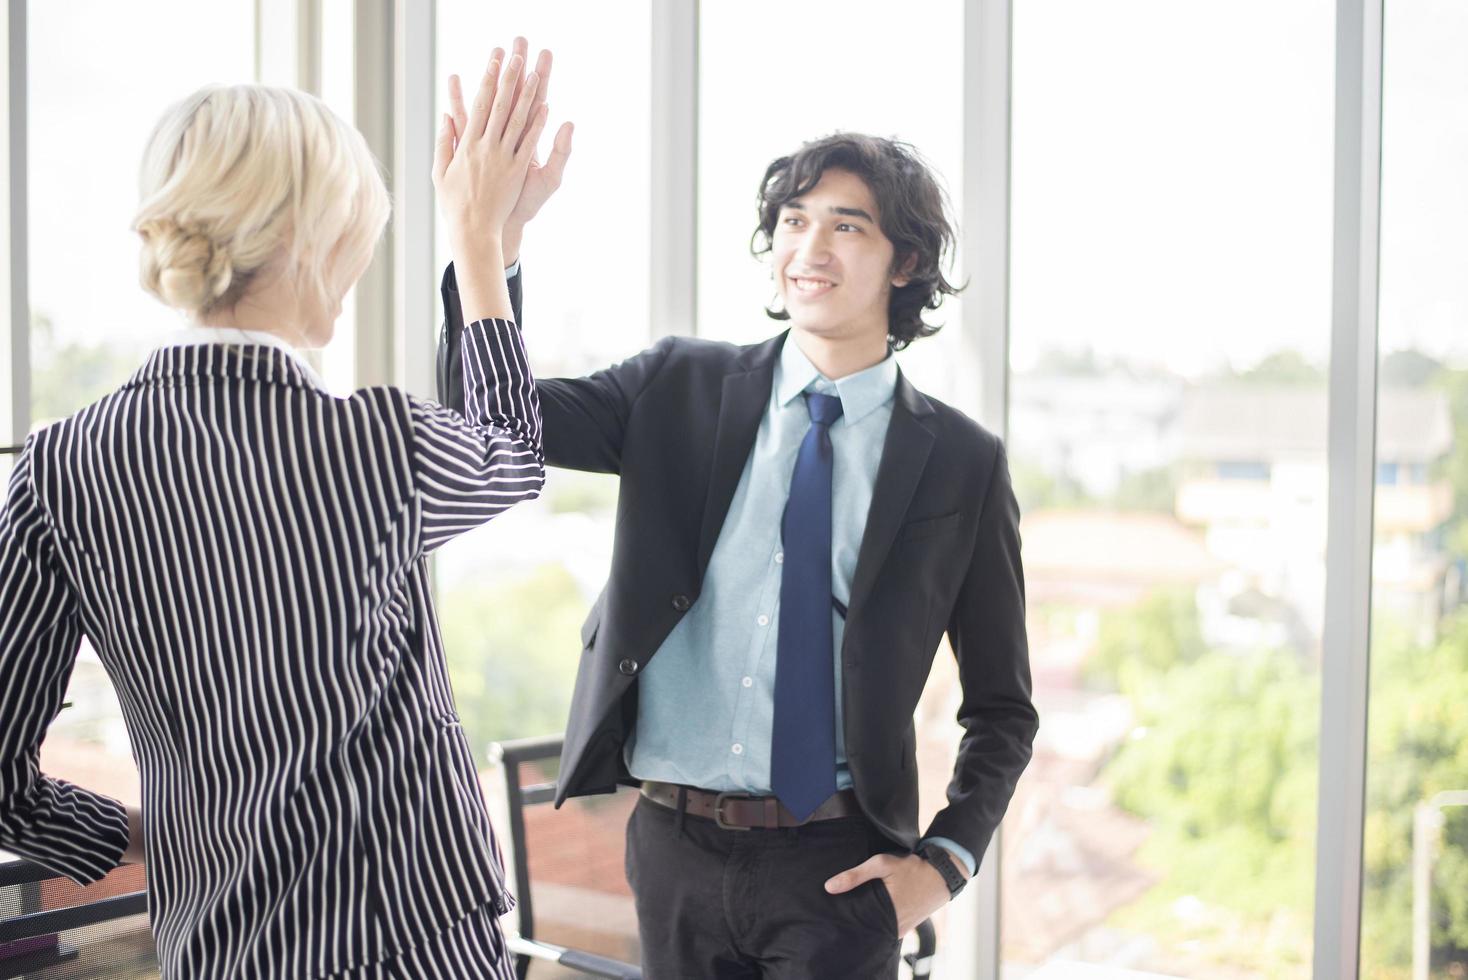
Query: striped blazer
{"points": [[245, 552]]}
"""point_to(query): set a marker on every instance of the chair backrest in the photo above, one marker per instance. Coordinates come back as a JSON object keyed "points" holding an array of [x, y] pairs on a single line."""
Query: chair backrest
{"points": [[567, 864], [53, 929]]}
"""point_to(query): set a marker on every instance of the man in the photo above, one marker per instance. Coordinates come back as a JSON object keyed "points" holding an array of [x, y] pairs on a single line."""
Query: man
{"points": [[797, 527]]}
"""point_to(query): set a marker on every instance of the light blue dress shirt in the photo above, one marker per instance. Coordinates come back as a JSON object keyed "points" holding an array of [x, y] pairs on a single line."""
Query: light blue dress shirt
{"points": [[706, 701]]}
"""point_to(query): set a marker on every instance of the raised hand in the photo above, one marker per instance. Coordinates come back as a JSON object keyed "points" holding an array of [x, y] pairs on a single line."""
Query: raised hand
{"points": [[479, 172], [541, 179]]}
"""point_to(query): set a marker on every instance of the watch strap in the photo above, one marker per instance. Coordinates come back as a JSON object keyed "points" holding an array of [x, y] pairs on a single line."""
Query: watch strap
{"points": [[939, 858]]}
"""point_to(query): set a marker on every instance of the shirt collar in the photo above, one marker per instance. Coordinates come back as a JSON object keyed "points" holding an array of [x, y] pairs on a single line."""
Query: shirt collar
{"points": [[861, 393], [193, 336]]}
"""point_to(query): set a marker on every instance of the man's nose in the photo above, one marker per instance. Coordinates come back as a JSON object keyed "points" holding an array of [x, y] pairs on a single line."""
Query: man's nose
{"points": [[815, 249]]}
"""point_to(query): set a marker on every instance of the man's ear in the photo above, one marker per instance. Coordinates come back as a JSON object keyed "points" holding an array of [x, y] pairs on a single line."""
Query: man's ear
{"points": [[904, 272]]}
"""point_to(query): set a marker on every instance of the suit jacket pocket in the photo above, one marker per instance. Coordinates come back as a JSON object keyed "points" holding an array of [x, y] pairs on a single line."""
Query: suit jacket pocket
{"points": [[929, 527], [428, 841]]}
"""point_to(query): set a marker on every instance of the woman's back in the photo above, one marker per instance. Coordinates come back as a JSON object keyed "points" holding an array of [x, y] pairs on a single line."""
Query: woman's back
{"points": [[244, 551], [246, 554]]}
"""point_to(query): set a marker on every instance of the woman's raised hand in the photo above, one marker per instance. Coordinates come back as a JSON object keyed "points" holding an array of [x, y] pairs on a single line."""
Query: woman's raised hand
{"points": [[479, 180], [541, 179]]}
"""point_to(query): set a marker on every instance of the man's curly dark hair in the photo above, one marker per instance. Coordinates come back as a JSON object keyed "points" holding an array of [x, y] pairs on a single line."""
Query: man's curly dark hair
{"points": [[913, 214]]}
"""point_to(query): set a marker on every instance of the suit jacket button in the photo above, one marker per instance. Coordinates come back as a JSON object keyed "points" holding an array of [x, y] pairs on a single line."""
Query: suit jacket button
{"points": [[681, 602], [628, 667]]}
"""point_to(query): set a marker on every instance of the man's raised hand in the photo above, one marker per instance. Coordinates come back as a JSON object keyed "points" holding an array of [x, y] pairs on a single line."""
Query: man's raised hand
{"points": [[541, 179], [479, 172]]}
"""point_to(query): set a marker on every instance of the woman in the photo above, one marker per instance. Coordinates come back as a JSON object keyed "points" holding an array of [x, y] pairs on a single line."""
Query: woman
{"points": [[245, 553]]}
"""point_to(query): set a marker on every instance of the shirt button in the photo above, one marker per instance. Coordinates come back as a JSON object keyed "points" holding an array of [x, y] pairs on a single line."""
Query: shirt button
{"points": [[628, 667], [763, 620], [779, 558], [737, 749], [747, 681], [681, 602]]}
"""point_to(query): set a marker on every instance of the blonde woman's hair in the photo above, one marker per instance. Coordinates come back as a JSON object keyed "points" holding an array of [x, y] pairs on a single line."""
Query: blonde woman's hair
{"points": [[240, 178]]}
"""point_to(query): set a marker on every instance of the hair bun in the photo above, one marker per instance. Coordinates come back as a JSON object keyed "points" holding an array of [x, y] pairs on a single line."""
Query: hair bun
{"points": [[183, 265]]}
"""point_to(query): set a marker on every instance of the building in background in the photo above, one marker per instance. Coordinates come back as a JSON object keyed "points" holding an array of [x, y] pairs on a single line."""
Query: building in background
{"points": [[1254, 479]]}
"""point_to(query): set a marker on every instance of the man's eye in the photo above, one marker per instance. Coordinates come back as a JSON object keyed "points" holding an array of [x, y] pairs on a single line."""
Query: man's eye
{"points": [[843, 226], [792, 220]]}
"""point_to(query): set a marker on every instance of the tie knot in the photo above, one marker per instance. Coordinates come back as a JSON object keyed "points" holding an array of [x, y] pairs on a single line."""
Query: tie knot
{"points": [[824, 409]]}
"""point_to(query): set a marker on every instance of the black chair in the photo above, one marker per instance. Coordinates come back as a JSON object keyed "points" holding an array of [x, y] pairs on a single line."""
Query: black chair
{"points": [[575, 914], [52, 929]]}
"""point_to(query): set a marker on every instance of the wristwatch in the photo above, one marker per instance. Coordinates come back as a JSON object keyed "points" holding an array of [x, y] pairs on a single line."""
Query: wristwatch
{"points": [[939, 858]]}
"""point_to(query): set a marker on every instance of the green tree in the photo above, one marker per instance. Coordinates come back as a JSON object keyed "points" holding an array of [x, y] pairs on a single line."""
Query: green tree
{"points": [[67, 376], [1417, 747], [1224, 767], [1147, 490], [1285, 367], [1407, 369], [1224, 770], [1454, 384], [1137, 646], [1036, 489], [574, 492], [512, 650]]}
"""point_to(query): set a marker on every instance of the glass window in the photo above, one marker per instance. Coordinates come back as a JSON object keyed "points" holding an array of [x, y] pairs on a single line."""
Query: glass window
{"points": [[774, 74], [1171, 251], [91, 323], [1234, 470], [511, 595], [1414, 919]]}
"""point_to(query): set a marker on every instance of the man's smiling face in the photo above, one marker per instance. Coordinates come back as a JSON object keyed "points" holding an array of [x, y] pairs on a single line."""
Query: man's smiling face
{"points": [[832, 264]]}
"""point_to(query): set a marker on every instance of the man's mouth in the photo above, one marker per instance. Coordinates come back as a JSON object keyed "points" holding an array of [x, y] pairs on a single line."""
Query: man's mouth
{"points": [[811, 285]]}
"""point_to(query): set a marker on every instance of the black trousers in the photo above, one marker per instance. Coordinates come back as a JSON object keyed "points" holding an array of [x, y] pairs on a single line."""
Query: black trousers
{"points": [[751, 904]]}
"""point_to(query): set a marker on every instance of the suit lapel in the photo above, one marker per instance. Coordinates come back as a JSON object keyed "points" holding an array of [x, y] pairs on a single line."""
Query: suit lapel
{"points": [[742, 403], [904, 455]]}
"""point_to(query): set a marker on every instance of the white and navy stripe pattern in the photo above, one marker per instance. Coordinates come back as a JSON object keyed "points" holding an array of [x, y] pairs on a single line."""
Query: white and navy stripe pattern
{"points": [[474, 948], [245, 553]]}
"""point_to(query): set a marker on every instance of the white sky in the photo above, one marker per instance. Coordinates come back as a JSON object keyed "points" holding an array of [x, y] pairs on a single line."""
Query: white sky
{"points": [[1171, 170], [101, 75]]}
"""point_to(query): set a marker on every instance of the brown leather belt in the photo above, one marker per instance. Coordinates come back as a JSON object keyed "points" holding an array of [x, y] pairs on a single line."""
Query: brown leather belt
{"points": [[739, 811]]}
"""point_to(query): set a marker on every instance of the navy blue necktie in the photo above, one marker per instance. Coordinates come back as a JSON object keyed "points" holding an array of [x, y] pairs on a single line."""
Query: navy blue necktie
{"points": [[803, 740]]}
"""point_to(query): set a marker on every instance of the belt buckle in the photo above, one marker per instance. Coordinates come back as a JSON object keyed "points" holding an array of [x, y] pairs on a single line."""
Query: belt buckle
{"points": [[719, 802]]}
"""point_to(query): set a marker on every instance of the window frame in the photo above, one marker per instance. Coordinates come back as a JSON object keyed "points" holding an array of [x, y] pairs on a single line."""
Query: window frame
{"points": [[395, 112]]}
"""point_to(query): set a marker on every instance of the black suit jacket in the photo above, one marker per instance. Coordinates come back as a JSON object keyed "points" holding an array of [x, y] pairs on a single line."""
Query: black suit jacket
{"points": [[941, 552]]}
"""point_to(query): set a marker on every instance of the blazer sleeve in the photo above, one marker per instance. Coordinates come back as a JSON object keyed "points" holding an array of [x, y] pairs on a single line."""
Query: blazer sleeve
{"points": [[450, 338], [986, 629], [585, 419], [70, 830], [473, 464]]}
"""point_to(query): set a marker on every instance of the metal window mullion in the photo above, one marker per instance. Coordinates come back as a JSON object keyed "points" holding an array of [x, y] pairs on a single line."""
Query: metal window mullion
{"points": [[988, 26], [414, 283], [373, 82], [1345, 673], [15, 402], [308, 46], [393, 70], [984, 227], [288, 43], [288, 52], [673, 277]]}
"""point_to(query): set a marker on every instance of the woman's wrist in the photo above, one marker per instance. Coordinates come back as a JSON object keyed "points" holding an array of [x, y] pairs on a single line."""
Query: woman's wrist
{"points": [[480, 272], [133, 854], [470, 250]]}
